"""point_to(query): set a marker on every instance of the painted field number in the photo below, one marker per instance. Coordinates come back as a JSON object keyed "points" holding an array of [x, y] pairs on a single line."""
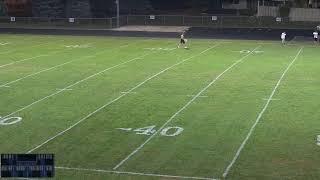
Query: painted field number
{"points": [[171, 131], [149, 130], [318, 140], [9, 120], [77, 46], [249, 51]]}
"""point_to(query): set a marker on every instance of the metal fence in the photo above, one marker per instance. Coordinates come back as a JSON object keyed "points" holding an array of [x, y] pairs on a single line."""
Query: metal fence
{"points": [[220, 21], [159, 20]]}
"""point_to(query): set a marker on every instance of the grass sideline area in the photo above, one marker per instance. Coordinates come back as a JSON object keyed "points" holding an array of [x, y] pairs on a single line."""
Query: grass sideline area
{"points": [[139, 108]]}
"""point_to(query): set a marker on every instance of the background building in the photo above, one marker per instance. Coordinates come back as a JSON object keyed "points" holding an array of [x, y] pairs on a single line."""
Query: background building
{"points": [[106, 8]]}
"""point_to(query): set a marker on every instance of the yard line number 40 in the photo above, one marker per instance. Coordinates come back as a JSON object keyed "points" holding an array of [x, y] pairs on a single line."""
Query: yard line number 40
{"points": [[149, 130]]}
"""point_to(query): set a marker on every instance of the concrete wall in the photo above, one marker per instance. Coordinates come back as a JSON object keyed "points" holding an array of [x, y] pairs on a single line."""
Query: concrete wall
{"points": [[61, 8], [48, 8], [78, 8], [268, 11], [296, 14], [301, 14]]}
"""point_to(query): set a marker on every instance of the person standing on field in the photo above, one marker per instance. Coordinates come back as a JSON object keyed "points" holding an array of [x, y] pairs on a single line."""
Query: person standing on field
{"points": [[183, 41], [315, 37], [283, 37]]}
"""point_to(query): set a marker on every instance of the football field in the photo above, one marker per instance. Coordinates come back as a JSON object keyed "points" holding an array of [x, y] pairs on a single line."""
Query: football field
{"points": [[140, 108]]}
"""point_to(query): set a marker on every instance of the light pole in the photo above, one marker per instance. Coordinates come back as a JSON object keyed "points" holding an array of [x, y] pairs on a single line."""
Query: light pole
{"points": [[118, 13]]}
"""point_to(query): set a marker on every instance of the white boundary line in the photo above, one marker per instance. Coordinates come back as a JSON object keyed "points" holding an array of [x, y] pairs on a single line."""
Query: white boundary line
{"points": [[134, 173], [227, 170], [116, 99], [182, 109]]}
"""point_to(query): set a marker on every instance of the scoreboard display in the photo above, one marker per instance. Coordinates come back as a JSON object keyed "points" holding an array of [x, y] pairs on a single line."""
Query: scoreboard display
{"points": [[27, 165]]}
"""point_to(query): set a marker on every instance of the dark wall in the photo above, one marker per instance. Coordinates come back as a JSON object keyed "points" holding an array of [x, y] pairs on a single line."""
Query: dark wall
{"points": [[107, 8], [215, 4], [18, 7], [167, 4], [102, 8]]}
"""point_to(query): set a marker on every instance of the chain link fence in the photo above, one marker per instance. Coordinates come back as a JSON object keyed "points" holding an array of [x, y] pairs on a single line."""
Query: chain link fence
{"points": [[158, 20]]}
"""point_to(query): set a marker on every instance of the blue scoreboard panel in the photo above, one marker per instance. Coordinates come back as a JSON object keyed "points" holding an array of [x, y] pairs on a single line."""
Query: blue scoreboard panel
{"points": [[27, 165]]}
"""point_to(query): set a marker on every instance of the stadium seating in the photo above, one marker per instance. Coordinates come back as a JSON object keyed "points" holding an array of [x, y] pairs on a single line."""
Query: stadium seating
{"points": [[48, 8], [61, 8], [78, 8]]}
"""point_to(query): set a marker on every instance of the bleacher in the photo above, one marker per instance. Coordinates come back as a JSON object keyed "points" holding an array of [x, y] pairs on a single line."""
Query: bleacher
{"points": [[61, 8], [78, 8], [135, 7], [48, 8]]}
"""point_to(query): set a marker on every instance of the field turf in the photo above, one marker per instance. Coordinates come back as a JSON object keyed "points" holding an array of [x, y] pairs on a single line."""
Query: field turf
{"points": [[139, 108]]}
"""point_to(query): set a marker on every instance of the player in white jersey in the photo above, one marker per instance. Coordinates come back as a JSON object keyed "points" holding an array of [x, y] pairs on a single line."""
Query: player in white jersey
{"points": [[283, 37], [315, 36], [182, 41]]}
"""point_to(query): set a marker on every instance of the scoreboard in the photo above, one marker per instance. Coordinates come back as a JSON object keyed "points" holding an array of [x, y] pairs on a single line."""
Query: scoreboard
{"points": [[27, 165]]}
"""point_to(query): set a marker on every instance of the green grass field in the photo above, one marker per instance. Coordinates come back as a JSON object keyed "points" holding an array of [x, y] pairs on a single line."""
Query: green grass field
{"points": [[139, 108]]}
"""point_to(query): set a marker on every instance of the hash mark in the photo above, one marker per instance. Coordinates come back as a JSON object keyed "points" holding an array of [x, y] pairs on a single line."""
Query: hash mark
{"points": [[197, 96], [64, 89], [128, 92]]}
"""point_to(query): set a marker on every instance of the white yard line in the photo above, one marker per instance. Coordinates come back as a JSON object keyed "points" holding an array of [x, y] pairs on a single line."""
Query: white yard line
{"points": [[49, 54], [22, 60], [41, 44], [128, 92], [181, 109], [70, 86], [34, 57], [267, 99], [59, 89], [116, 99], [227, 170], [57, 66], [44, 70], [134, 173], [198, 96]]}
